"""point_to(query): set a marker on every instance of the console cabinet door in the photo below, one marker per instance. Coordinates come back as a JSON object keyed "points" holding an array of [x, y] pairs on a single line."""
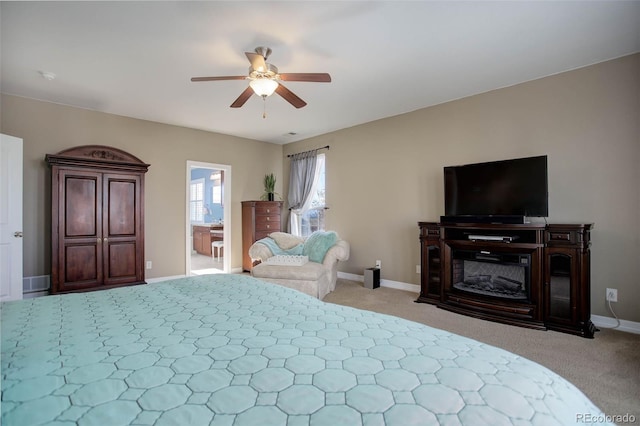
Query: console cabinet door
{"points": [[561, 275], [202, 240], [567, 269], [430, 268], [197, 240]]}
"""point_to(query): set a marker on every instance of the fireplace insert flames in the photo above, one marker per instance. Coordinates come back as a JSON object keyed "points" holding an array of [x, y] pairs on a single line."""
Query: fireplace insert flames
{"points": [[499, 275]]}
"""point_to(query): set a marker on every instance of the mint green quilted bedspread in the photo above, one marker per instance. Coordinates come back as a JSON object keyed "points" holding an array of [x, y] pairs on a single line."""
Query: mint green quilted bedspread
{"points": [[232, 350]]}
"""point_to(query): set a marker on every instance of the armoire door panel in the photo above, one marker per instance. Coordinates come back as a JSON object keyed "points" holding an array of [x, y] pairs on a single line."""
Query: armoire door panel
{"points": [[121, 260], [82, 264], [81, 201], [122, 200]]}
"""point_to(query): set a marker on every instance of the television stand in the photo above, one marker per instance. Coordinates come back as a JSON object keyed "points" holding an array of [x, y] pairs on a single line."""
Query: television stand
{"points": [[530, 275]]}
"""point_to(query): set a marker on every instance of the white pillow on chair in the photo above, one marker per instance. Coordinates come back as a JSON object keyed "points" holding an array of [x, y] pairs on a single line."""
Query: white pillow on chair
{"points": [[286, 241]]}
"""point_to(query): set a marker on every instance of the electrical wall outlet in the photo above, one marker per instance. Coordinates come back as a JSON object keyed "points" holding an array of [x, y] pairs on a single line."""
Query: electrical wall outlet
{"points": [[418, 269], [149, 264], [379, 264], [612, 295]]}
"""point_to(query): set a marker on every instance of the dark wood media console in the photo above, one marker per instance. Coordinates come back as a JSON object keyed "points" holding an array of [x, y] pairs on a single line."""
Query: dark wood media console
{"points": [[529, 275]]}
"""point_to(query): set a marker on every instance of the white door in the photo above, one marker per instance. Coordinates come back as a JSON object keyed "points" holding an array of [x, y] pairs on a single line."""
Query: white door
{"points": [[10, 218]]}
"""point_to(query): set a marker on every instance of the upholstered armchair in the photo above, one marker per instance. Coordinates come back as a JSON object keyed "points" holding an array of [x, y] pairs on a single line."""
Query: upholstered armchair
{"points": [[317, 277]]}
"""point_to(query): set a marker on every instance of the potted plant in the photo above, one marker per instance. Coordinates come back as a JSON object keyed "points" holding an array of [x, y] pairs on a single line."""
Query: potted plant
{"points": [[269, 187]]}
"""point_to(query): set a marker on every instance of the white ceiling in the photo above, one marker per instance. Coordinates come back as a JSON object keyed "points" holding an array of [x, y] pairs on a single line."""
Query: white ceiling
{"points": [[385, 57]]}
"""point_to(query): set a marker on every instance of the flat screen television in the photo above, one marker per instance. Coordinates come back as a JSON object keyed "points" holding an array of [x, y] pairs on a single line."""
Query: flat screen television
{"points": [[498, 190]]}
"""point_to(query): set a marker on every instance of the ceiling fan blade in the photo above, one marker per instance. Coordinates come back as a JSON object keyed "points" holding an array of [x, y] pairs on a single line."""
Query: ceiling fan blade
{"points": [[313, 77], [244, 96], [228, 77], [257, 61], [290, 97]]}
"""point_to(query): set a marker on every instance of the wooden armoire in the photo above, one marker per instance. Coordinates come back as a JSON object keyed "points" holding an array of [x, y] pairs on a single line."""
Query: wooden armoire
{"points": [[97, 219]]}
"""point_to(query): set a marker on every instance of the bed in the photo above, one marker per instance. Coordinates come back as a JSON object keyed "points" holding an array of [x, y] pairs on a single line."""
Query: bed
{"points": [[233, 350]]}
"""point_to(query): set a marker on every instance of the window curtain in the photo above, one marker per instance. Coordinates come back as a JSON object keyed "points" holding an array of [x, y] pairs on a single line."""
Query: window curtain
{"points": [[301, 183]]}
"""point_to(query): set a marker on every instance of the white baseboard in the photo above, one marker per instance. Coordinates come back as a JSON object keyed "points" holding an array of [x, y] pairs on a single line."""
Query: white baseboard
{"points": [[608, 322], [34, 294], [414, 288]]}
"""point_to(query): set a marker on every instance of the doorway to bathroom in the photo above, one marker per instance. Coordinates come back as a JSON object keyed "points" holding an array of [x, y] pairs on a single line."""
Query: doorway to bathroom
{"points": [[208, 213]]}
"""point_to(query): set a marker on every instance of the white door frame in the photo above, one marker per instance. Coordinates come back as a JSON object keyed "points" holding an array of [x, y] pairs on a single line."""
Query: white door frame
{"points": [[226, 214], [10, 218]]}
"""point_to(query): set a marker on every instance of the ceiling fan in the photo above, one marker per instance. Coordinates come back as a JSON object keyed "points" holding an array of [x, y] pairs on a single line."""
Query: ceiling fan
{"points": [[264, 79]]}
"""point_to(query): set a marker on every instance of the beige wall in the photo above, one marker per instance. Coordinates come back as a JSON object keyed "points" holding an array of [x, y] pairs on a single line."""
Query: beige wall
{"points": [[49, 128], [385, 176]]}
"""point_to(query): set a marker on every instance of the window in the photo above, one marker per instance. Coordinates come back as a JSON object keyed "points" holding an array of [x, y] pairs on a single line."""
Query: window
{"points": [[312, 217], [216, 189], [196, 201]]}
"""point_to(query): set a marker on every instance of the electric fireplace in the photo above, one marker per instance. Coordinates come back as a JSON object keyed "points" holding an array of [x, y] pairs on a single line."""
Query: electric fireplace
{"points": [[500, 275], [530, 275]]}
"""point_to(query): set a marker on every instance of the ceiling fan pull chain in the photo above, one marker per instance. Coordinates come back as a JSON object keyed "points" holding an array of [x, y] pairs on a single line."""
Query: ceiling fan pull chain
{"points": [[264, 107]]}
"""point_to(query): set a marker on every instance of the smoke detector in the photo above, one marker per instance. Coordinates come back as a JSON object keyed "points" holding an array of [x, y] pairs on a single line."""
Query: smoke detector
{"points": [[49, 76]]}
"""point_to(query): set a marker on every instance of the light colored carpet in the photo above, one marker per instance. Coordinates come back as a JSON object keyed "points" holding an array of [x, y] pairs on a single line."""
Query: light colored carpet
{"points": [[606, 368]]}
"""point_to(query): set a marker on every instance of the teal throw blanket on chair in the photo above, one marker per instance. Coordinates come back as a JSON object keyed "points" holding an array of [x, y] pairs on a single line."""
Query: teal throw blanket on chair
{"points": [[318, 243]]}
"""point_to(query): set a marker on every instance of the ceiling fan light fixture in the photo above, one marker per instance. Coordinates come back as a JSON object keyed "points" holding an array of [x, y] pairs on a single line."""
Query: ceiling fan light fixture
{"points": [[264, 80], [263, 86]]}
